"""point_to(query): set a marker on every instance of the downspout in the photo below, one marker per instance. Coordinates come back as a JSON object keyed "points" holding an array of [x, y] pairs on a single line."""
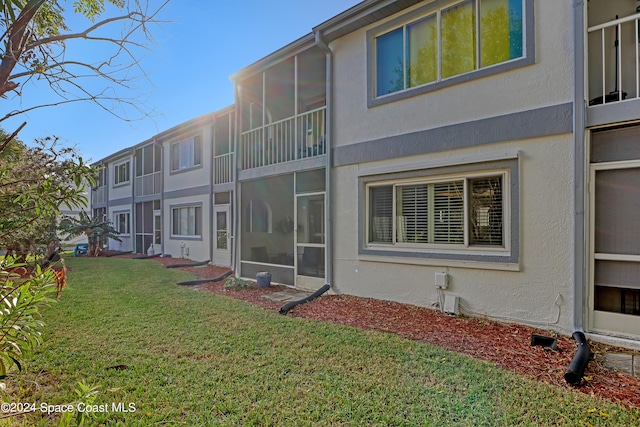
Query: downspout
{"points": [[235, 207], [212, 231], [328, 168], [162, 174], [579, 112], [327, 174], [578, 364]]}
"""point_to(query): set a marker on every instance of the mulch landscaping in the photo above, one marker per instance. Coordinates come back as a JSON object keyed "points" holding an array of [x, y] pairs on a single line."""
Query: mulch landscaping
{"points": [[506, 345]]}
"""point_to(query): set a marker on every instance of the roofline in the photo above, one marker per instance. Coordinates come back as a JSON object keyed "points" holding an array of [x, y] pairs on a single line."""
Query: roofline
{"points": [[197, 121], [360, 16], [352, 19], [285, 52]]}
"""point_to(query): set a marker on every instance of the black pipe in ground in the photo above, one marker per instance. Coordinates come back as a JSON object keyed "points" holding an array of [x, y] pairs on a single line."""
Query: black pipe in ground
{"points": [[201, 281], [118, 253], [147, 256], [288, 306], [193, 264], [574, 373]]}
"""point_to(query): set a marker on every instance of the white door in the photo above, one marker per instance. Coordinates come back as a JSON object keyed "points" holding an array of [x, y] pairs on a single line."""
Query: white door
{"points": [[310, 241], [614, 294], [221, 237]]}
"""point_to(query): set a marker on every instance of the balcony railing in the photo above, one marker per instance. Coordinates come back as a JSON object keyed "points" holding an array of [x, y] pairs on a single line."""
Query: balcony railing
{"points": [[148, 185], [222, 172], [290, 139], [614, 70], [99, 195]]}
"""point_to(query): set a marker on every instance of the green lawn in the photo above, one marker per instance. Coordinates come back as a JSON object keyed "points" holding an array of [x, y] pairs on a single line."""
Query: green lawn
{"points": [[196, 358]]}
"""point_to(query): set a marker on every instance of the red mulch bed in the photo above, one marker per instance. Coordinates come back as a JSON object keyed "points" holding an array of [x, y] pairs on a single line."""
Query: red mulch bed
{"points": [[506, 345]]}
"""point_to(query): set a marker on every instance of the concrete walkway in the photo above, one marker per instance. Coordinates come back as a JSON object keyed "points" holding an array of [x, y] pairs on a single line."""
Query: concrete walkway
{"points": [[287, 295], [623, 362]]}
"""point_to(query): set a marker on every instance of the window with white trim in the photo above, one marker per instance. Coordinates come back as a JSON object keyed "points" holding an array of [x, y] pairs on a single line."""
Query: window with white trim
{"points": [[186, 221], [441, 43], [458, 212], [186, 154], [121, 221], [121, 173]]}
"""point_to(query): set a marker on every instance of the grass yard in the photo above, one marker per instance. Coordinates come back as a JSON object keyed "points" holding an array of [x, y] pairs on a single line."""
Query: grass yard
{"points": [[187, 357]]}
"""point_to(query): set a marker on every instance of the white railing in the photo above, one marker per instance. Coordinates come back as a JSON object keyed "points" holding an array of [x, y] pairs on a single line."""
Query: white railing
{"points": [[222, 172], [613, 60], [290, 139], [99, 195], [147, 185]]}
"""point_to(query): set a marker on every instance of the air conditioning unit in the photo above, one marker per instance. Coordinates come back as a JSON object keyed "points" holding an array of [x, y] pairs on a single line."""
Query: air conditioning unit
{"points": [[451, 304]]}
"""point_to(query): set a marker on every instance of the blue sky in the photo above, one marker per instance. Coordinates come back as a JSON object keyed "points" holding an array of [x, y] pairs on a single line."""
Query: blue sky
{"points": [[189, 68]]}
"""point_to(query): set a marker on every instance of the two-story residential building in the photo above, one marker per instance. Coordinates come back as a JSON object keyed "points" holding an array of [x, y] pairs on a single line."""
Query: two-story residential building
{"points": [[111, 197], [474, 156], [172, 194]]}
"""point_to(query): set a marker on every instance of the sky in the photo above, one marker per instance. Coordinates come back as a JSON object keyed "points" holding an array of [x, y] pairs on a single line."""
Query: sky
{"points": [[188, 68]]}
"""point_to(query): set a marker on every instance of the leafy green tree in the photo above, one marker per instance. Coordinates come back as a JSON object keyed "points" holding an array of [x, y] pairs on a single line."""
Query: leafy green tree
{"points": [[35, 183], [97, 230]]}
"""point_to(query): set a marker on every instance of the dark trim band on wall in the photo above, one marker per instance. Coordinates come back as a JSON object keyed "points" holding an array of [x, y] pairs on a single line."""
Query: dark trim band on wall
{"points": [[187, 192], [545, 121], [121, 202]]}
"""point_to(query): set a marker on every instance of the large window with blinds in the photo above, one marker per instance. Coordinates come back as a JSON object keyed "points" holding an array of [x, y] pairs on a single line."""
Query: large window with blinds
{"points": [[455, 212]]}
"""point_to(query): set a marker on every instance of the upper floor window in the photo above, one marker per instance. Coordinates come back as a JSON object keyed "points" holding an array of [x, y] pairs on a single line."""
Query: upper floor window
{"points": [[121, 173], [439, 44], [186, 154]]}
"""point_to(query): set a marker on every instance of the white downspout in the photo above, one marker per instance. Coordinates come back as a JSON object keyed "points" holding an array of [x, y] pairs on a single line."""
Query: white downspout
{"points": [[328, 139]]}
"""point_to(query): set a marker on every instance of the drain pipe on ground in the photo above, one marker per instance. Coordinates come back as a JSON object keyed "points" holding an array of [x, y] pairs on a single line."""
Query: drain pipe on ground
{"points": [[328, 243], [576, 368]]}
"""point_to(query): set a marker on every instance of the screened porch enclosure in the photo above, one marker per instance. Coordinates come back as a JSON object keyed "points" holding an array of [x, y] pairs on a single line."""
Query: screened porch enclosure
{"points": [[283, 228], [267, 240], [615, 231], [283, 111]]}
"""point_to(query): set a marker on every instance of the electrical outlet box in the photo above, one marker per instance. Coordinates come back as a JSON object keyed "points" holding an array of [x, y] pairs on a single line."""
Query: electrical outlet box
{"points": [[442, 280], [451, 304]]}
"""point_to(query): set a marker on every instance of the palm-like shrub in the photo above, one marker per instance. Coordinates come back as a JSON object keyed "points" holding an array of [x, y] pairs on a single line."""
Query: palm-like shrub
{"points": [[96, 229]]}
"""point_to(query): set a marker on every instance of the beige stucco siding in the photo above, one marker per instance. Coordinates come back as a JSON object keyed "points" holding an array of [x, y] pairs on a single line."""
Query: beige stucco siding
{"points": [[547, 82], [545, 266], [198, 247], [195, 177]]}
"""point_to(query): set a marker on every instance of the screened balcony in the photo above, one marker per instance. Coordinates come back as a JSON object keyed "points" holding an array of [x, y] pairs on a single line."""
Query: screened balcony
{"points": [[223, 148], [613, 51], [99, 195], [148, 166], [283, 111]]}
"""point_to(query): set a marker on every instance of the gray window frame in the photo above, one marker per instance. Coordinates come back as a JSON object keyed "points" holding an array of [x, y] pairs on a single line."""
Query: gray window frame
{"points": [[511, 255], [127, 164], [528, 55], [173, 236]]}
